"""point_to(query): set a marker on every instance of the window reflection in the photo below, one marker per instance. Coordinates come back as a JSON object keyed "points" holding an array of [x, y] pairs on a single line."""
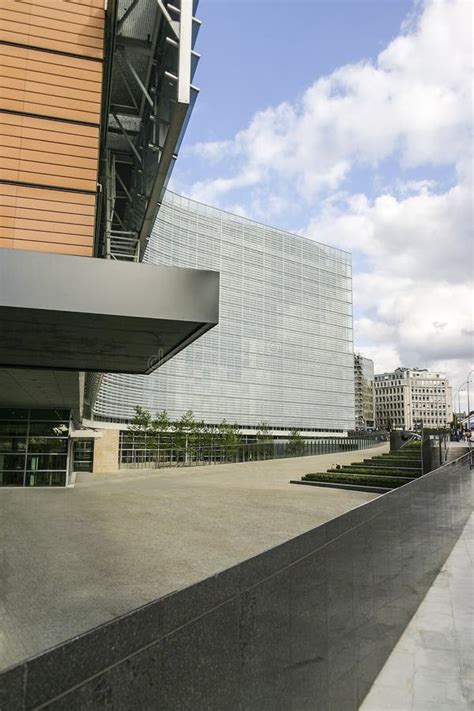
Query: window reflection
{"points": [[33, 447]]}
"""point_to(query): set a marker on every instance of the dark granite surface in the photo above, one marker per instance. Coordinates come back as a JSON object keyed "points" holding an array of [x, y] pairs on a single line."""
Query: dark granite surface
{"points": [[304, 626]]}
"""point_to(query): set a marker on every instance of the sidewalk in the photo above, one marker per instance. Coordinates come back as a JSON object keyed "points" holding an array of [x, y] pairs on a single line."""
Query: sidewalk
{"points": [[432, 666]]}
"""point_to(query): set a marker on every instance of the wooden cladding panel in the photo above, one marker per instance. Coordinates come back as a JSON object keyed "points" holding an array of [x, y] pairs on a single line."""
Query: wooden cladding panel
{"points": [[54, 19], [48, 63], [12, 100], [34, 82], [51, 131], [46, 220], [47, 152], [70, 27], [73, 249], [53, 146], [37, 173]]}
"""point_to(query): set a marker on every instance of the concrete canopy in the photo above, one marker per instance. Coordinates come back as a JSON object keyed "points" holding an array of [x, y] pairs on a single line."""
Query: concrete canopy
{"points": [[84, 314], [24, 388]]}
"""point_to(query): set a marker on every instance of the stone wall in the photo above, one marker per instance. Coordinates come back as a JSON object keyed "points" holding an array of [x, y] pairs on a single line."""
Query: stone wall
{"points": [[106, 452], [306, 625]]}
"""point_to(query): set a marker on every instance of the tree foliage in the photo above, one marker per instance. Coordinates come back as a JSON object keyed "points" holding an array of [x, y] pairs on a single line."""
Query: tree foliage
{"points": [[228, 435], [295, 445], [264, 439]]}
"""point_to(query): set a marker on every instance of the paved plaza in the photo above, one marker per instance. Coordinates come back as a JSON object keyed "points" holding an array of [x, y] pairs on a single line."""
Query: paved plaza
{"points": [[75, 558]]}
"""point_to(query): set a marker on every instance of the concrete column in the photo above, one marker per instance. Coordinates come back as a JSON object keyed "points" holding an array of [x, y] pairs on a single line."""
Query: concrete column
{"points": [[106, 452]]}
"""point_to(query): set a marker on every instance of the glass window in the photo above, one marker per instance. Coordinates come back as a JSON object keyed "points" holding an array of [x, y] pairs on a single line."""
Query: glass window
{"points": [[49, 415], [10, 414], [33, 452], [44, 445], [83, 455], [12, 461], [48, 478], [11, 478], [12, 444], [49, 429], [13, 428], [46, 461]]}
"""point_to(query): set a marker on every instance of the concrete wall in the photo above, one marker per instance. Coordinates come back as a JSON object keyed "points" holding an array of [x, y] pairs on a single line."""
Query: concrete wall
{"points": [[304, 626], [106, 452]]}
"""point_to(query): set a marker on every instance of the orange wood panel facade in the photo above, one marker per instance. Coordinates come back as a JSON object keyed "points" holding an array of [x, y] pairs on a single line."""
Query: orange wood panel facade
{"points": [[38, 216], [51, 55]]}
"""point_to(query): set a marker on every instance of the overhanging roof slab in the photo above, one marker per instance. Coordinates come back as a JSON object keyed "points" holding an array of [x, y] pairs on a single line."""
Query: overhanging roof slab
{"points": [[77, 313], [24, 388]]}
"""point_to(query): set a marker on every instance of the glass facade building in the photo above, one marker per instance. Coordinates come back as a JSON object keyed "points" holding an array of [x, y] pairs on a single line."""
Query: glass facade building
{"points": [[283, 349], [34, 447]]}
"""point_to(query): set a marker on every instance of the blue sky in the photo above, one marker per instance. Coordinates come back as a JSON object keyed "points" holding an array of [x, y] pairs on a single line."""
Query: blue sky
{"points": [[350, 123], [257, 53]]}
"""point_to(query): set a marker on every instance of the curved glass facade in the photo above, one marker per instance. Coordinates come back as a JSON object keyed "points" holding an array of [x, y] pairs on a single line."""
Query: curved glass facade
{"points": [[283, 349]]}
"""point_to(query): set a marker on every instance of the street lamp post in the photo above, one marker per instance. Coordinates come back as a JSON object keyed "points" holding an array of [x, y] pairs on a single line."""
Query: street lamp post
{"points": [[463, 385], [468, 405]]}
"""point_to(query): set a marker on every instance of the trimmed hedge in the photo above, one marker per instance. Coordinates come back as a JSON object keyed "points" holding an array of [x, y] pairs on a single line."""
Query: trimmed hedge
{"points": [[404, 455], [391, 463], [387, 471], [385, 482], [375, 471], [387, 465], [396, 457]]}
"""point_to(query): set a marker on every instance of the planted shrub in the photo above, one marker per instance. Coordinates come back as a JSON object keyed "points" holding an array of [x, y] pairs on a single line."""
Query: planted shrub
{"points": [[376, 471], [391, 463], [332, 478]]}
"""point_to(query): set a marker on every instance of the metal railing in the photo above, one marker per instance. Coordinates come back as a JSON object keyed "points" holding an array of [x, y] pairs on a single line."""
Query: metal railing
{"points": [[136, 456]]}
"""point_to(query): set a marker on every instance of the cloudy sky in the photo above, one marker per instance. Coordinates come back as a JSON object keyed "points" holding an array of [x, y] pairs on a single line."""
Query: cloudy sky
{"points": [[351, 122]]}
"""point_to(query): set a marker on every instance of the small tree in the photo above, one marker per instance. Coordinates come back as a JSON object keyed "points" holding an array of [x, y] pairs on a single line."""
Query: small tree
{"points": [[295, 445], [228, 436], [205, 435], [140, 426], [161, 429], [264, 439], [185, 434], [388, 424]]}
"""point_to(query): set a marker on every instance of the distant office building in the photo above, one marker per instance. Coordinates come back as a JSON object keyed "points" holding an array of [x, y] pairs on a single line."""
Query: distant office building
{"points": [[411, 395], [364, 388], [283, 349]]}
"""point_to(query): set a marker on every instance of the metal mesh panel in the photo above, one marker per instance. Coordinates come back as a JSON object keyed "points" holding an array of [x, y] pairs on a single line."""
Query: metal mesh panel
{"points": [[283, 349]]}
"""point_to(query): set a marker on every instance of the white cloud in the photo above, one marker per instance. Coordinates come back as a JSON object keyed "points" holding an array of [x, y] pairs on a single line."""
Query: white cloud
{"points": [[426, 236], [413, 106], [415, 101], [387, 358]]}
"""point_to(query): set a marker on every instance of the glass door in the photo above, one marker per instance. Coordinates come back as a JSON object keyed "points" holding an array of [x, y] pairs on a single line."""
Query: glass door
{"points": [[83, 455]]}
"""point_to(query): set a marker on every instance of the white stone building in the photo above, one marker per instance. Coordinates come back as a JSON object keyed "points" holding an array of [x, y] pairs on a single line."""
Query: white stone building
{"points": [[408, 395]]}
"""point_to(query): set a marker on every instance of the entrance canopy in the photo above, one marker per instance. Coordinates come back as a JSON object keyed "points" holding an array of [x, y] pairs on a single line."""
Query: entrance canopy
{"points": [[74, 313]]}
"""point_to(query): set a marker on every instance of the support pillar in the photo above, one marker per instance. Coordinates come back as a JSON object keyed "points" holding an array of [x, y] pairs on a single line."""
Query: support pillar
{"points": [[106, 452]]}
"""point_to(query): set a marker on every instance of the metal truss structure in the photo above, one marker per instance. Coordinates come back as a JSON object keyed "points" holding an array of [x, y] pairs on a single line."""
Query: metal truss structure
{"points": [[147, 100]]}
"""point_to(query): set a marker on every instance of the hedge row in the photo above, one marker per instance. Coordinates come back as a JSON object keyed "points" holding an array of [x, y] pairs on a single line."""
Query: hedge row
{"points": [[386, 482], [378, 471], [402, 455], [387, 465], [375, 471]]}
